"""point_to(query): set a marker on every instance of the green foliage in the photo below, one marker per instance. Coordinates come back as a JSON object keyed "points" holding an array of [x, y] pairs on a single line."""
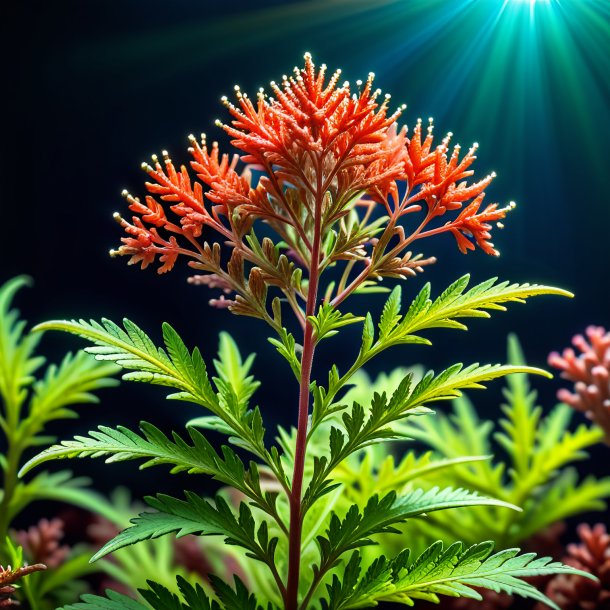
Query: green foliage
{"points": [[132, 566], [328, 320], [190, 597], [359, 431], [60, 486], [346, 430], [18, 362], [195, 515], [174, 366], [446, 311], [70, 383], [536, 474], [286, 347], [132, 349], [438, 571], [28, 403], [380, 515], [153, 446], [114, 601], [234, 381]]}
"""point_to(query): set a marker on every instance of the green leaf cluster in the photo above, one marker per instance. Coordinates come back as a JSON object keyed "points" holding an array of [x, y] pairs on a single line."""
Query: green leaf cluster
{"points": [[527, 459], [31, 397], [253, 512]]}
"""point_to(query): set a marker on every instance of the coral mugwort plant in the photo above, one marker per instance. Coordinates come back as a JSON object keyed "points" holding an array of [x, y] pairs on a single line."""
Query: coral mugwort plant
{"points": [[334, 183]]}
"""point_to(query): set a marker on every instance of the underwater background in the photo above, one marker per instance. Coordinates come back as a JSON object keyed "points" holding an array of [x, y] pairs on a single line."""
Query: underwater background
{"points": [[92, 89]]}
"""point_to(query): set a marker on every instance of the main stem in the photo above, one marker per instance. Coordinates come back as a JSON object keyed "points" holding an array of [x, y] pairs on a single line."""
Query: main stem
{"points": [[309, 346]]}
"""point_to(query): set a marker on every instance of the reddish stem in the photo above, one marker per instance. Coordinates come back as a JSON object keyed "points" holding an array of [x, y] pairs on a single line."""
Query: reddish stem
{"points": [[296, 516]]}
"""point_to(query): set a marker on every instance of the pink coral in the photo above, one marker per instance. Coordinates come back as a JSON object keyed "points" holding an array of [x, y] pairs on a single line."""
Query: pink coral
{"points": [[590, 373], [41, 542], [592, 554]]}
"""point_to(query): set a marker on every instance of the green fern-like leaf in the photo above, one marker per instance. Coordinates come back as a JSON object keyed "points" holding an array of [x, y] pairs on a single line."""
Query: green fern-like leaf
{"points": [[540, 448], [361, 429], [446, 311], [381, 515], [235, 599], [132, 349], [193, 597], [112, 601], [193, 515], [453, 571], [329, 319], [563, 497], [18, 362], [234, 382], [70, 383], [175, 367], [460, 434], [122, 444], [157, 597], [451, 306]]}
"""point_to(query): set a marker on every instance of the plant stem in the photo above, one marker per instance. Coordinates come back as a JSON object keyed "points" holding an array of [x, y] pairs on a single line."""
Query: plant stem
{"points": [[13, 457], [296, 520], [309, 345]]}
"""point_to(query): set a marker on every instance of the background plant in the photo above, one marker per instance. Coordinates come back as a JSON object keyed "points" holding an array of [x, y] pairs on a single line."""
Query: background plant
{"points": [[589, 371], [28, 404], [527, 459], [336, 181], [537, 474]]}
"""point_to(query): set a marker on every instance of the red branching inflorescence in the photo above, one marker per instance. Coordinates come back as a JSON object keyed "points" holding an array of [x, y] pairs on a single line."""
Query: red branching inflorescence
{"points": [[592, 555], [42, 542], [8, 579], [590, 373], [322, 162]]}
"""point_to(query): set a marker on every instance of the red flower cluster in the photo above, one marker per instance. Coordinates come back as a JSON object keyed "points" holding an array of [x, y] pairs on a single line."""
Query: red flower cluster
{"points": [[590, 373], [322, 152]]}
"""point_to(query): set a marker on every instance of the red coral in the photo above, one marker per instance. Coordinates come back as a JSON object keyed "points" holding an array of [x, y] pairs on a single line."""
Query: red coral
{"points": [[316, 152], [590, 373], [592, 555], [41, 542]]}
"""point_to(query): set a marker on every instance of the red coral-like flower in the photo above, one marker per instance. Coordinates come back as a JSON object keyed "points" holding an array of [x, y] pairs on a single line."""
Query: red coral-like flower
{"points": [[320, 159], [592, 555], [42, 542], [590, 373]]}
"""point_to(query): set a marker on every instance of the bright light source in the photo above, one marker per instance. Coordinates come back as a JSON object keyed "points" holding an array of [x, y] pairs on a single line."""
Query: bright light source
{"points": [[531, 3]]}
